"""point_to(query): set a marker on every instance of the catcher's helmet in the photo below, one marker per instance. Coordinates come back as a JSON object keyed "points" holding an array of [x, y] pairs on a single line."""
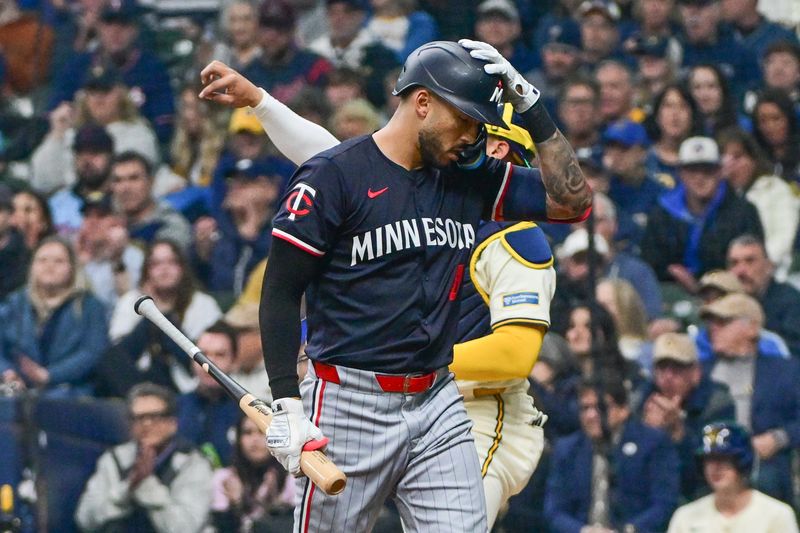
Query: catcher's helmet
{"points": [[728, 440], [447, 69]]}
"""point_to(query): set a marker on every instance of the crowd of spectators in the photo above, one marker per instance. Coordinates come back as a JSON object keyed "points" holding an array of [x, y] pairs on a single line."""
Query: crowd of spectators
{"points": [[677, 304]]}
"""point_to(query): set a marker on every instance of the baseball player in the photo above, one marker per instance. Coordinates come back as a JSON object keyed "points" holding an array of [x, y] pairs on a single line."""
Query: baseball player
{"points": [[510, 260], [382, 281]]}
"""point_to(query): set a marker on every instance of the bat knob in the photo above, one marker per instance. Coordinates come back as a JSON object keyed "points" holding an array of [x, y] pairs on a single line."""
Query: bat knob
{"points": [[139, 302]]}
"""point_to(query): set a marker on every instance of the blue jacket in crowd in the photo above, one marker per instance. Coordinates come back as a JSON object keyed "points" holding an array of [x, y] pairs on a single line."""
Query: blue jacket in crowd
{"points": [[68, 344], [644, 481], [205, 421]]}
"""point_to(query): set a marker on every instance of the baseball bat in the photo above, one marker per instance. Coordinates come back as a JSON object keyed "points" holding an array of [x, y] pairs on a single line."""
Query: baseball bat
{"points": [[314, 464]]}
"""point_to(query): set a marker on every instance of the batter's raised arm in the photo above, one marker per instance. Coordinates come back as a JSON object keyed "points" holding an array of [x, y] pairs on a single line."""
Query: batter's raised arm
{"points": [[296, 137], [568, 195]]}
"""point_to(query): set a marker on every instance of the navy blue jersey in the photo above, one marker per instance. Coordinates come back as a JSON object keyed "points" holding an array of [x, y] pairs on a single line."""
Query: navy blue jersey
{"points": [[395, 244]]}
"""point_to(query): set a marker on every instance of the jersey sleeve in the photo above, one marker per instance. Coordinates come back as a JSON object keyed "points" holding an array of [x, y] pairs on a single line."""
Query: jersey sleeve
{"points": [[518, 278], [313, 207], [512, 192]]}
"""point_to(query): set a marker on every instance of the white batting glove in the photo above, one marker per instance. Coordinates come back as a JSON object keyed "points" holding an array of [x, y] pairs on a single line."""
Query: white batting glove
{"points": [[518, 91], [290, 433]]}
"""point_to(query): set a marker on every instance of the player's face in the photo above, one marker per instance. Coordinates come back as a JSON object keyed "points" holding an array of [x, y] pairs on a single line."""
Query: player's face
{"points": [[751, 266], [720, 474], [444, 133], [150, 423], [219, 350], [252, 443]]}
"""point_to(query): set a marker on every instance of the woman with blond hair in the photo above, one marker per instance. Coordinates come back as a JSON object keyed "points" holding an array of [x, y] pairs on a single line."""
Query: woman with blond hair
{"points": [[626, 307], [198, 140], [54, 330]]}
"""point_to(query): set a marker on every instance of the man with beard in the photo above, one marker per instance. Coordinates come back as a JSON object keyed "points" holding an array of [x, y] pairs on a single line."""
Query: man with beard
{"points": [[392, 216], [93, 149]]}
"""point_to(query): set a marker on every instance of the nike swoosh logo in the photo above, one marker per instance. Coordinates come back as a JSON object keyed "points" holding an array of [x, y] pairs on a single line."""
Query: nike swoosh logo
{"points": [[375, 194]]}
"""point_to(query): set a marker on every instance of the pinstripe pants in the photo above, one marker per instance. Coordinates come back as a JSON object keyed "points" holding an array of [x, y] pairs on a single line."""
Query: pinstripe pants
{"points": [[414, 448]]}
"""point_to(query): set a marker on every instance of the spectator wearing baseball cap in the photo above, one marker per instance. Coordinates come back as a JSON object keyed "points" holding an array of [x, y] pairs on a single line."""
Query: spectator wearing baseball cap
{"points": [[625, 145], [726, 460], [764, 388], [681, 400], [140, 70], [561, 59], [689, 230], [283, 69], [600, 30], [706, 41], [498, 23], [237, 238], [655, 67], [87, 167], [713, 286]]}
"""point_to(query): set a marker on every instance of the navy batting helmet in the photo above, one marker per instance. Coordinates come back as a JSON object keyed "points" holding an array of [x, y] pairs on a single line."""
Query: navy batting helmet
{"points": [[447, 69], [728, 440]]}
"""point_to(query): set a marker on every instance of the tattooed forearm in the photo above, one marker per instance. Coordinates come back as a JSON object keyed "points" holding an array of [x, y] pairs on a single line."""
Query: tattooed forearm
{"points": [[569, 194]]}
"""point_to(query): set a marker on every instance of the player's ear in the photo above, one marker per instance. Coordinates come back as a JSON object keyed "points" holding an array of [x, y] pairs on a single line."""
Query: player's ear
{"points": [[499, 149], [422, 102]]}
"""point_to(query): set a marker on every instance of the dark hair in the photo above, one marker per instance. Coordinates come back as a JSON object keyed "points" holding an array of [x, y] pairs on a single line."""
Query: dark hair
{"points": [[131, 155], [651, 123], [610, 384], [252, 474], [784, 104], [220, 327], [579, 80], [749, 145], [604, 339], [44, 205], [725, 116], [147, 388], [784, 46], [186, 285], [345, 76]]}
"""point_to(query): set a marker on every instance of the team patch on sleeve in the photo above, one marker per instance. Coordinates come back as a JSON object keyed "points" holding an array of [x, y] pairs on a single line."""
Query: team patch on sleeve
{"points": [[521, 298]]}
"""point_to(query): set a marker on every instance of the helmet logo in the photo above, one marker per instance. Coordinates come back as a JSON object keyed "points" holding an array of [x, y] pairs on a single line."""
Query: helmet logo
{"points": [[497, 95]]}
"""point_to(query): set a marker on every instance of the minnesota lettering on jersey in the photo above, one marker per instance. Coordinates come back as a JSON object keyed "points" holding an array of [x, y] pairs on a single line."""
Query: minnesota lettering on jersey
{"points": [[411, 233]]}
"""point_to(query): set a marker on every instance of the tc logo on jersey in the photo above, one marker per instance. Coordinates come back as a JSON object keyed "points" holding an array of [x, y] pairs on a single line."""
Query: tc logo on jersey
{"points": [[300, 200]]}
